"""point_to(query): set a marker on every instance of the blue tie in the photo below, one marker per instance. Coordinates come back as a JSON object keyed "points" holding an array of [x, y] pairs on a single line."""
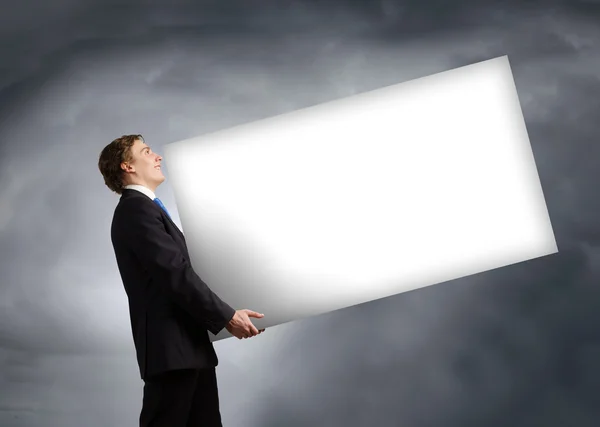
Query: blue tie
{"points": [[159, 203]]}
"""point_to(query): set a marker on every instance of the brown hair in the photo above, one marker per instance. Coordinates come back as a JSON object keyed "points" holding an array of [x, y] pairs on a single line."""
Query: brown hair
{"points": [[110, 160]]}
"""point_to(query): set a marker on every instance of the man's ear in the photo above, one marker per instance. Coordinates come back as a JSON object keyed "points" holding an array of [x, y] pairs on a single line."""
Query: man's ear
{"points": [[126, 167]]}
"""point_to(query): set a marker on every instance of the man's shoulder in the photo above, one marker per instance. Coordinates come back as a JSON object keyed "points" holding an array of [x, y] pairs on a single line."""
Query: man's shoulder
{"points": [[131, 206], [125, 213], [132, 200], [132, 212]]}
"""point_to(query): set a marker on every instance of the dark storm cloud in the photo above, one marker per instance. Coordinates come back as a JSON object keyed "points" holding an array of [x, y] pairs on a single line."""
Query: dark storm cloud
{"points": [[515, 346]]}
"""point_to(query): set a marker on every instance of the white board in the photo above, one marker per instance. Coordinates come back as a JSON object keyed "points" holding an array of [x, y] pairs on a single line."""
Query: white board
{"points": [[365, 197]]}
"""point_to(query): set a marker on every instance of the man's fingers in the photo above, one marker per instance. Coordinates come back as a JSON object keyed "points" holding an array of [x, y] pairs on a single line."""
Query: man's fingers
{"points": [[251, 330], [254, 314]]}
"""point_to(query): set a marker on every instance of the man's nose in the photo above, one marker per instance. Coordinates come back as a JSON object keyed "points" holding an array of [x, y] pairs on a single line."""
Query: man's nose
{"points": [[159, 157]]}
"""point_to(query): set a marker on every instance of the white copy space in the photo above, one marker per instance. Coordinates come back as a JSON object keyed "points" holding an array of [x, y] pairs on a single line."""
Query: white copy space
{"points": [[364, 197]]}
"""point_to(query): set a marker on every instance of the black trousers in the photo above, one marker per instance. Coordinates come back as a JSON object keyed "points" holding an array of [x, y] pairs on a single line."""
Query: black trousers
{"points": [[181, 398]]}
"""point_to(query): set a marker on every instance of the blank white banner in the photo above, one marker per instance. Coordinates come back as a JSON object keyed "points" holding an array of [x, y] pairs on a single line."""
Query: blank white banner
{"points": [[365, 197]]}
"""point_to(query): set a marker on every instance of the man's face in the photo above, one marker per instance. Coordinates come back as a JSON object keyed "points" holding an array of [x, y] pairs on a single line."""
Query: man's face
{"points": [[144, 169]]}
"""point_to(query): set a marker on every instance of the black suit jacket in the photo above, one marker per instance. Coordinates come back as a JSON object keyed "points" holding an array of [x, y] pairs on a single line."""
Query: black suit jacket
{"points": [[171, 308]]}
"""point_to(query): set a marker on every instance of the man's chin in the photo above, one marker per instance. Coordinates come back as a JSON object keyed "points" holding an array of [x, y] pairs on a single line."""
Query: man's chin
{"points": [[159, 181]]}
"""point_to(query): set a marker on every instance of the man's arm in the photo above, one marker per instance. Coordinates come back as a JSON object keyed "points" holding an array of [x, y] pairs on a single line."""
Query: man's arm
{"points": [[158, 251]]}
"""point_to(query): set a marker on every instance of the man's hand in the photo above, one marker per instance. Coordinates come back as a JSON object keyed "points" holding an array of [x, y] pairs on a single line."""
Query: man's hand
{"points": [[240, 326]]}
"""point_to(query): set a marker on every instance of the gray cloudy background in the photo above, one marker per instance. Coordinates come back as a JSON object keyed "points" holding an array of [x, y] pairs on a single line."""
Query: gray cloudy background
{"points": [[517, 347]]}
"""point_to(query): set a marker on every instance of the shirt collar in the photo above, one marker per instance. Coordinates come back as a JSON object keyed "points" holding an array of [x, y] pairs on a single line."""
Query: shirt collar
{"points": [[141, 189]]}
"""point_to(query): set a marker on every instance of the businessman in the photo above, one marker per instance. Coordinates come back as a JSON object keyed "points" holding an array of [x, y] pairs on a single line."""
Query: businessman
{"points": [[171, 308]]}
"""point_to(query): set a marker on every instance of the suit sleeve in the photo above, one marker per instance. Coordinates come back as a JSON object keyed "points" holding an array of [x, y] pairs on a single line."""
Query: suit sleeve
{"points": [[159, 252]]}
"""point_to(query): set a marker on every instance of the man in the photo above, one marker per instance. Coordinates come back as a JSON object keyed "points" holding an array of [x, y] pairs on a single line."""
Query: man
{"points": [[171, 308]]}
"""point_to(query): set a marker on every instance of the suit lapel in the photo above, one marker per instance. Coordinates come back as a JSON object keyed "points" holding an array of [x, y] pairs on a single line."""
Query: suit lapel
{"points": [[164, 214]]}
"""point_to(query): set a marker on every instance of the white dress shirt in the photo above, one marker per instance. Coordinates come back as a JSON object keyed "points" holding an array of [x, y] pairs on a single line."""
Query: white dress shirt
{"points": [[141, 189]]}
